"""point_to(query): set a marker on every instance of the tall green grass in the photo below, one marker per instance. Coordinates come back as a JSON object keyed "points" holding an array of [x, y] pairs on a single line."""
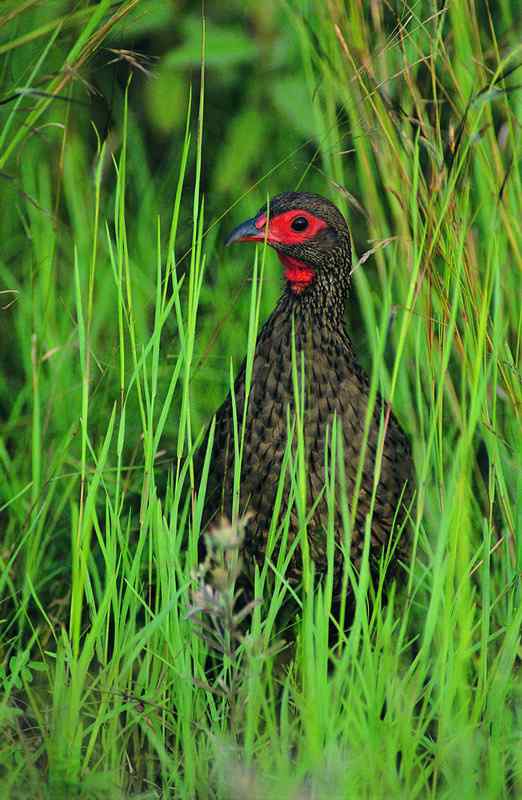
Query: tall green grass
{"points": [[119, 317]]}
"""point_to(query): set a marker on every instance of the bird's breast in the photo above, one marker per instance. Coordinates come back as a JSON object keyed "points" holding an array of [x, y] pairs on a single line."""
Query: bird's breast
{"points": [[299, 375]]}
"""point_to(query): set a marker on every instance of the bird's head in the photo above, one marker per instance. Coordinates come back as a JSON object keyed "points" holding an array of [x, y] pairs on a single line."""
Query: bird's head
{"points": [[310, 236]]}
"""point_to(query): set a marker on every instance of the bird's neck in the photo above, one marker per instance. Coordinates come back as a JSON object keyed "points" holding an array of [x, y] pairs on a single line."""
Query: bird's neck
{"points": [[319, 295]]}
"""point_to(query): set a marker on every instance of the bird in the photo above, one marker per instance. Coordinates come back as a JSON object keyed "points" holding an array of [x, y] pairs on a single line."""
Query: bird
{"points": [[306, 335]]}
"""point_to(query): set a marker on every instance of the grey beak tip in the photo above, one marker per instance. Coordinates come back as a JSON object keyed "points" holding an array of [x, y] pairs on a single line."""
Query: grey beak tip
{"points": [[245, 230]]}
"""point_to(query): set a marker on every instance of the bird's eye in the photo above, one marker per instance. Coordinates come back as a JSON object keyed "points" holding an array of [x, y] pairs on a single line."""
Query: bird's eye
{"points": [[299, 224]]}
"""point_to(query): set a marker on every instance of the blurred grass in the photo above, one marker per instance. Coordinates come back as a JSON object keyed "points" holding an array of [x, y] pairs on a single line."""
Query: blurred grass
{"points": [[119, 314]]}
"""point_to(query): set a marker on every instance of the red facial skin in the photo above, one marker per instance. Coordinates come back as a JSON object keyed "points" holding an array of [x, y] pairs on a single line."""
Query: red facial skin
{"points": [[298, 274]]}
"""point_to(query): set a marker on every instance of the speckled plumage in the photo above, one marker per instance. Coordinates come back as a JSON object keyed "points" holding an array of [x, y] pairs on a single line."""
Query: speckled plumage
{"points": [[334, 385]]}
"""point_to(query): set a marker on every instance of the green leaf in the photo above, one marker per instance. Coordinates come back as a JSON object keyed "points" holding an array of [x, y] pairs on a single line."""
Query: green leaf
{"points": [[292, 100], [225, 46], [37, 666], [243, 149], [152, 16], [166, 98], [27, 675]]}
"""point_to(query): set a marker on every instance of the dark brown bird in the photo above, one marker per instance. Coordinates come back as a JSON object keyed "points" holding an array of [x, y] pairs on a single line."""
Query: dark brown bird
{"points": [[312, 241]]}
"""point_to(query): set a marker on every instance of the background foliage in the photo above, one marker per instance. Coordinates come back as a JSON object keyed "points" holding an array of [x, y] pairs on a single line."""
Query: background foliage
{"points": [[123, 164]]}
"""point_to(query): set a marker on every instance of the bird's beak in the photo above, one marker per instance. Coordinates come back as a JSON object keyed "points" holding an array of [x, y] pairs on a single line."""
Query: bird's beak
{"points": [[247, 232]]}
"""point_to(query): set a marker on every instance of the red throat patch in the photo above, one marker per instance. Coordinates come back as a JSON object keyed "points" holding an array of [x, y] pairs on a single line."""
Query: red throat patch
{"points": [[298, 274]]}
